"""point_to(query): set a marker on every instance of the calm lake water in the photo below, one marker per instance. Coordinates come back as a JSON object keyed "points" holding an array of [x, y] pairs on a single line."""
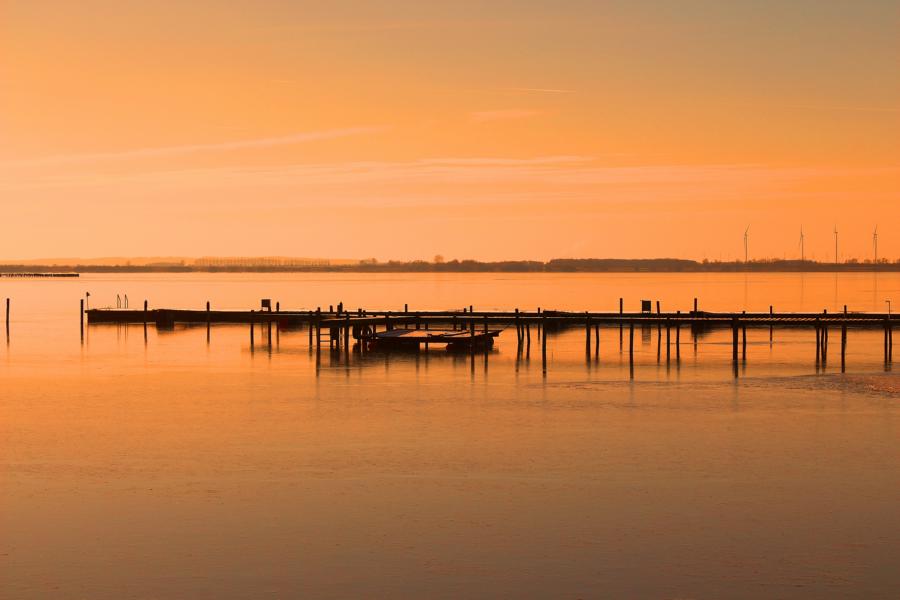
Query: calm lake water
{"points": [[185, 467]]}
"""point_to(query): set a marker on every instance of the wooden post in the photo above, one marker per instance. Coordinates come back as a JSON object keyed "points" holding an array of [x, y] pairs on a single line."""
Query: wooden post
{"points": [[658, 314], [886, 325], [818, 342], [734, 340], [518, 330], [658, 332], [347, 334], [631, 349], [81, 318], [528, 336], [890, 341], [621, 309], [543, 326], [587, 337], [744, 337], [843, 346], [252, 326], [318, 329], [597, 341], [310, 326], [7, 314], [695, 305], [678, 337], [668, 341], [744, 341]]}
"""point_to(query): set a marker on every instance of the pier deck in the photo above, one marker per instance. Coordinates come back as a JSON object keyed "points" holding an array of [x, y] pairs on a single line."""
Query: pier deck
{"points": [[469, 329]]}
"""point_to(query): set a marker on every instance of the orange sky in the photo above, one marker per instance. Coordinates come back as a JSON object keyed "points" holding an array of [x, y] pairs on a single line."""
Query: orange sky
{"points": [[526, 129]]}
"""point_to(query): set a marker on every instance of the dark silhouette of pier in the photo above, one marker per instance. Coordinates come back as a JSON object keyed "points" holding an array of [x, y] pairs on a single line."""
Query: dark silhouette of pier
{"points": [[466, 329]]}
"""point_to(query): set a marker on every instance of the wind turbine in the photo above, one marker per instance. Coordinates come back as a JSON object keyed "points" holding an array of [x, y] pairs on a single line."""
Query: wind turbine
{"points": [[875, 243], [835, 245], [802, 249], [747, 244]]}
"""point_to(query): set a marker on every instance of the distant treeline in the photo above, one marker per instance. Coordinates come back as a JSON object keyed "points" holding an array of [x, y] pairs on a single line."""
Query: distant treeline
{"points": [[557, 265]]}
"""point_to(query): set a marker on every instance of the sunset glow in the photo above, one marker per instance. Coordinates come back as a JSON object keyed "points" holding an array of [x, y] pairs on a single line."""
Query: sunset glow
{"points": [[509, 131]]}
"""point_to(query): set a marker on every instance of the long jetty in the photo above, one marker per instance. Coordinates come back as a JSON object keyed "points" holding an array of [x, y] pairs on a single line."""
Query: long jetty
{"points": [[37, 275], [413, 329]]}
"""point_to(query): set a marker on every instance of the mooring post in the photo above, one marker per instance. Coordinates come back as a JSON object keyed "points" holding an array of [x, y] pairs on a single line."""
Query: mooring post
{"points": [[543, 326], [668, 340], [678, 336], [252, 327], [890, 341], [887, 324], [310, 327], [81, 318], [518, 330], [734, 340], [528, 337], [695, 306], [744, 337], [318, 329], [347, 334], [631, 349], [771, 324], [843, 346], [587, 336], [825, 336], [540, 323], [818, 342], [658, 321], [621, 310], [597, 341]]}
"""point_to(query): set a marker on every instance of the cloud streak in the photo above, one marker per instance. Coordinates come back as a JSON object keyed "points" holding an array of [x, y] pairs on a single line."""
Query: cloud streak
{"points": [[538, 90], [163, 151], [508, 114]]}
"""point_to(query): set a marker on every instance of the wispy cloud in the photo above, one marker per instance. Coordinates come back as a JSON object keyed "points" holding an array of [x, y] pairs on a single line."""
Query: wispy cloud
{"points": [[502, 115], [538, 90], [138, 153], [868, 109]]}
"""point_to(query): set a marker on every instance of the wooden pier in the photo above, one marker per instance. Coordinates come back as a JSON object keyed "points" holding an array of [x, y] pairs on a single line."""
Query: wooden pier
{"points": [[38, 275], [467, 329]]}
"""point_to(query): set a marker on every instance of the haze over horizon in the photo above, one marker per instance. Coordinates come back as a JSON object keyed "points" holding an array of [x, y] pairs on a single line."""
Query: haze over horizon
{"points": [[518, 130]]}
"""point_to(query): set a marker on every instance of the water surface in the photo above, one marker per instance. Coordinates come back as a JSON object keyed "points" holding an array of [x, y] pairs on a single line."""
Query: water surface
{"points": [[181, 465]]}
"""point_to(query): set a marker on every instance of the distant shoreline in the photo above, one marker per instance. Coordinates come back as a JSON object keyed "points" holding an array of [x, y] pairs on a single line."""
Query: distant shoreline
{"points": [[552, 266]]}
